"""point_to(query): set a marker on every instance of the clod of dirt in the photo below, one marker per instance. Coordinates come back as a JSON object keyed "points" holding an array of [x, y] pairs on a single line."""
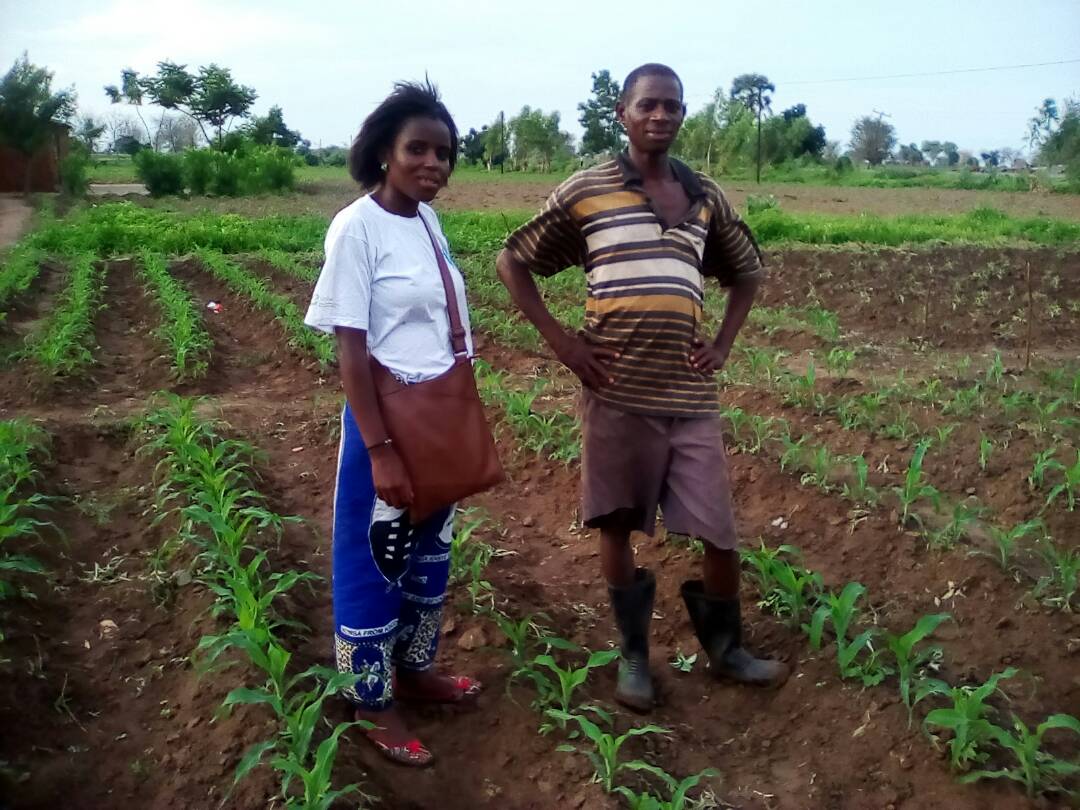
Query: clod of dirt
{"points": [[107, 628], [472, 639]]}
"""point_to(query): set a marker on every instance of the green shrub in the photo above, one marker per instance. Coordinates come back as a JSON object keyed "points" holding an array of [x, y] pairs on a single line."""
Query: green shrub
{"points": [[75, 170], [163, 174], [199, 170], [228, 177], [274, 169], [755, 204]]}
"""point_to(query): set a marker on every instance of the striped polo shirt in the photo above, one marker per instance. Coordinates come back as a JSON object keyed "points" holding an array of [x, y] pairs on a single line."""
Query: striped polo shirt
{"points": [[645, 278]]}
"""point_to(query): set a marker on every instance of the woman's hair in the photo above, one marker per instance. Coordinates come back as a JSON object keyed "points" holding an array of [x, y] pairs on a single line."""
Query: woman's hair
{"points": [[377, 134]]}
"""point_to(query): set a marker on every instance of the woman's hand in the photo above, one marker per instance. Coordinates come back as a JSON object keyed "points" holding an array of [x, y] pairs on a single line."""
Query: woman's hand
{"points": [[391, 480]]}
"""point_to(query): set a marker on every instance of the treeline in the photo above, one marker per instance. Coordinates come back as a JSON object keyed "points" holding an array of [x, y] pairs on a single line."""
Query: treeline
{"points": [[737, 131]]}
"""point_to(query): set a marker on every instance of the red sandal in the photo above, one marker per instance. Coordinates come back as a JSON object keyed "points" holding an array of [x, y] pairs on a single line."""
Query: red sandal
{"points": [[462, 687], [412, 753]]}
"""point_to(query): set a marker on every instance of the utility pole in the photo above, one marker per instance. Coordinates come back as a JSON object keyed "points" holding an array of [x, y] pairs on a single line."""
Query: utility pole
{"points": [[502, 141]]}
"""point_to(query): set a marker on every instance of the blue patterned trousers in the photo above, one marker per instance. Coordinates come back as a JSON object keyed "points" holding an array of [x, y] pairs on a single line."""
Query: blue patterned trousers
{"points": [[389, 578]]}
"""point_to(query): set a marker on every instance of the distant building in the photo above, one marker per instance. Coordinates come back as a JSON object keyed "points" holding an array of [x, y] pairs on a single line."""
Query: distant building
{"points": [[1020, 165], [44, 164]]}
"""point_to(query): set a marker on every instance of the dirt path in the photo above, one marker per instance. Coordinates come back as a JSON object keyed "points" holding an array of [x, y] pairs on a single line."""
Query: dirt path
{"points": [[15, 215]]}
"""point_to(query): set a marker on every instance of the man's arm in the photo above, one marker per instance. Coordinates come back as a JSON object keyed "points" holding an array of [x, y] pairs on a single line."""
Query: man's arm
{"points": [[587, 362], [711, 357]]}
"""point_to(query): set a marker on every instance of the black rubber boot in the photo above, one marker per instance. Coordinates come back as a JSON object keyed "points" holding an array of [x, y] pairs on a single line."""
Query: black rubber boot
{"points": [[718, 624], [633, 610]]}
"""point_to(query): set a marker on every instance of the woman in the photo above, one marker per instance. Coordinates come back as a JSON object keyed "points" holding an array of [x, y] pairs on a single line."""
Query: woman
{"points": [[381, 293]]}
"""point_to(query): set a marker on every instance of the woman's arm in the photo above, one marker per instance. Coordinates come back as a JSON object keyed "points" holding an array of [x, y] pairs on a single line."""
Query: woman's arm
{"points": [[387, 470]]}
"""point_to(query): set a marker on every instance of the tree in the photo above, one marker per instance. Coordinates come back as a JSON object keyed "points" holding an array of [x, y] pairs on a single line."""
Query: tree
{"points": [[472, 145], [270, 130], [1008, 155], [752, 90], [952, 152], [796, 111], [210, 98], [495, 139], [603, 133], [872, 139], [128, 145], [537, 139], [910, 155], [1063, 144], [991, 158], [89, 132], [120, 125], [1042, 124], [131, 91], [30, 110], [177, 133]]}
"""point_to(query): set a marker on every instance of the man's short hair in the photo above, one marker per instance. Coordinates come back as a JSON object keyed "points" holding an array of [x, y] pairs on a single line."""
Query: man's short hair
{"points": [[648, 69]]}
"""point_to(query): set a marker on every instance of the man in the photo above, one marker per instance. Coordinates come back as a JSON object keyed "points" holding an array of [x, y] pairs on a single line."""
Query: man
{"points": [[646, 229]]}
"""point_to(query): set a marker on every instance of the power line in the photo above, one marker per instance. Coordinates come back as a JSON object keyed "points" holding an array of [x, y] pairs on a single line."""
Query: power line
{"points": [[932, 73]]}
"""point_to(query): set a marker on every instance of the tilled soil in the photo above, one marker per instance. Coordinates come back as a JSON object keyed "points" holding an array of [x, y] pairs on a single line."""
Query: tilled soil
{"points": [[101, 707]]}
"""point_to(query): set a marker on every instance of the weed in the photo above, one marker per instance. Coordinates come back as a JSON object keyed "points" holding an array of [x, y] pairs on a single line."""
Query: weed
{"points": [[1058, 587], [963, 517], [683, 662], [986, 449], [1070, 487], [839, 360]]}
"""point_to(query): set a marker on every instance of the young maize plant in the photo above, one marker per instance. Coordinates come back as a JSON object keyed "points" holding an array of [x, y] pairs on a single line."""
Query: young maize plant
{"points": [[1036, 769], [181, 320], [224, 515], [18, 273], [65, 345], [604, 755], [22, 446], [972, 733], [285, 312], [915, 487], [289, 264]]}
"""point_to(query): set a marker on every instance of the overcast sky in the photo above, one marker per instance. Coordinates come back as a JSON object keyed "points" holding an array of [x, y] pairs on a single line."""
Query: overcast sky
{"points": [[327, 64]]}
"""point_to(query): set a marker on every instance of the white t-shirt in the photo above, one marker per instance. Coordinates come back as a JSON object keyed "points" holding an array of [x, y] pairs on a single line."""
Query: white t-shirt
{"points": [[381, 275]]}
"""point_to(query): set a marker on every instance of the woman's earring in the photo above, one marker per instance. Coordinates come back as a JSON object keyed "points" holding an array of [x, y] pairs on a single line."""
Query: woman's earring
{"points": [[383, 167]]}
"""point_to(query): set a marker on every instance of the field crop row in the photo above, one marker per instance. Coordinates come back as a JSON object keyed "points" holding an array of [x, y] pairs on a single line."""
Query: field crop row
{"points": [[224, 516]]}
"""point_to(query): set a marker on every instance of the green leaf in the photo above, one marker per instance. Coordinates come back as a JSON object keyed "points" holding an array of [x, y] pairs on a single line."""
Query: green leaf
{"points": [[601, 658], [1062, 721], [252, 757]]}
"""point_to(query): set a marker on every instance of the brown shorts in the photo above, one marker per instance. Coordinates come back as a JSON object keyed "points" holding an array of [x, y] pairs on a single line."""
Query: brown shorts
{"points": [[632, 464]]}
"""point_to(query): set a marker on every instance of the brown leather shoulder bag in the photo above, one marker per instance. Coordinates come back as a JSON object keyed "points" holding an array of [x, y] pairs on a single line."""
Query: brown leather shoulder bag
{"points": [[438, 426]]}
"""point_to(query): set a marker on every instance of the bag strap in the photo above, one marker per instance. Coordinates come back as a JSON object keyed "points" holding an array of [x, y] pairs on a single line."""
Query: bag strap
{"points": [[457, 331]]}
